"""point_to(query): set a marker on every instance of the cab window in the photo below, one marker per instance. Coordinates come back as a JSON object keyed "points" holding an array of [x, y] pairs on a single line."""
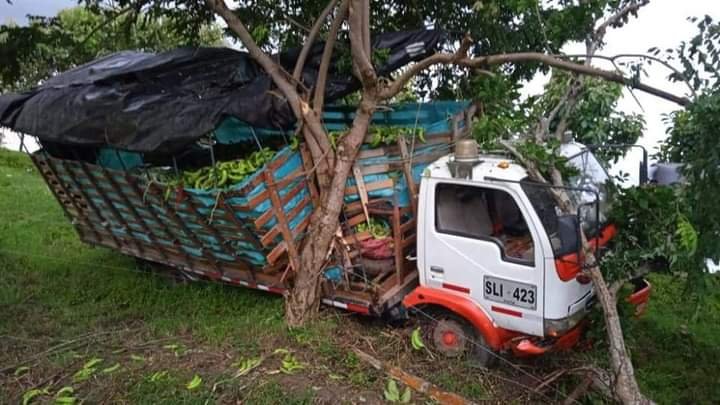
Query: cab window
{"points": [[486, 214]]}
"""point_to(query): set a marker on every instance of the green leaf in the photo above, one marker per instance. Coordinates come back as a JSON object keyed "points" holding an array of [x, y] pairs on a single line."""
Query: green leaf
{"points": [[158, 375], [65, 400], [92, 362], [65, 391], [111, 368], [28, 396], [392, 393], [194, 383], [247, 365], [135, 357], [406, 396], [21, 370]]}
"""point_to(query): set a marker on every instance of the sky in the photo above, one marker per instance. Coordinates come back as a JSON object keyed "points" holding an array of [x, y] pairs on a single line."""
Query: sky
{"points": [[19, 9], [663, 23]]}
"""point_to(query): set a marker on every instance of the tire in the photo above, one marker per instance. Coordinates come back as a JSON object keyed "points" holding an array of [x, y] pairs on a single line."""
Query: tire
{"points": [[454, 337]]}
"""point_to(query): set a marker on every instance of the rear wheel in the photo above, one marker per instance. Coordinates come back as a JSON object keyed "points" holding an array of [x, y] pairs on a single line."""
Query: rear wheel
{"points": [[454, 337]]}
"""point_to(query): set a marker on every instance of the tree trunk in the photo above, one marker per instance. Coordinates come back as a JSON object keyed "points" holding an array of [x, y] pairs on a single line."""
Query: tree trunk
{"points": [[303, 300], [625, 385]]}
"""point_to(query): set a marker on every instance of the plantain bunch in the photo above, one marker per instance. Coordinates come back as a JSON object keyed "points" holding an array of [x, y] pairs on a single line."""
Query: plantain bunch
{"points": [[227, 173]]}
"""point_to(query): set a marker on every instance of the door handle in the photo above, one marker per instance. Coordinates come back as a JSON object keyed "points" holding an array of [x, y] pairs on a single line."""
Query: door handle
{"points": [[437, 269]]}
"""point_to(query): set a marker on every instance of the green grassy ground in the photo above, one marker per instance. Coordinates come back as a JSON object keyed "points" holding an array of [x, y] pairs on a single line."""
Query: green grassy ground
{"points": [[64, 303]]}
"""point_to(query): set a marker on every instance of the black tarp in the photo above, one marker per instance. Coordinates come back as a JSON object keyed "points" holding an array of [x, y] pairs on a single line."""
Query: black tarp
{"points": [[146, 102]]}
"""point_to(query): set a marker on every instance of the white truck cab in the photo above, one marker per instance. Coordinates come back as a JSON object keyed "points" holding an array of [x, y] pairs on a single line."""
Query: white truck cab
{"points": [[496, 261]]}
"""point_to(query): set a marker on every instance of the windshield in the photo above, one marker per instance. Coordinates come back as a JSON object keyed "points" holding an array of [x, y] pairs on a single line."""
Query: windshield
{"points": [[593, 177]]}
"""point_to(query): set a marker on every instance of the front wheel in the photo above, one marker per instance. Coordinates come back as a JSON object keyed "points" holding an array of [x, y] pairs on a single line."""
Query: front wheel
{"points": [[454, 337]]}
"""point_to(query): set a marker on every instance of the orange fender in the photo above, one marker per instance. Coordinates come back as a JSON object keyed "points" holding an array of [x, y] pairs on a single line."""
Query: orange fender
{"points": [[462, 305]]}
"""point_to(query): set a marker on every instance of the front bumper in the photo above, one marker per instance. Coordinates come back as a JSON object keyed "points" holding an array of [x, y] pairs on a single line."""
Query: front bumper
{"points": [[524, 346], [532, 346]]}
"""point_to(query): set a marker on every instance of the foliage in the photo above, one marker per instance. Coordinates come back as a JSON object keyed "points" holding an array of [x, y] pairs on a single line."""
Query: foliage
{"points": [[78, 35], [547, 157], [393, 395], [500, 114], [654, 231], [699, 58], [194, 383], [87, 370], [498, 26], [595, 119], [389, 135], [693, 141]]}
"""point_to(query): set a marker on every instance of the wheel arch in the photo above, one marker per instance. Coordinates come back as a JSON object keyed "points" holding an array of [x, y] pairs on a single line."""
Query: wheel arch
{"points": [[461, 305]]}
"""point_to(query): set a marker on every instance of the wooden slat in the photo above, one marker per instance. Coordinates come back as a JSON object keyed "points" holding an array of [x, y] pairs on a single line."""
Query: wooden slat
{"points": [[282, 221], [397, 242], [267, 215], [374, 169], [359, 236], [362, 191], [263, 195], [409, 241], [74, 214], [300, 228], [407, 170], [378, 185], [111, 177], [267, 239], [277, 251], [407, 225], [357, 219], [370, 153], [180, 222]]}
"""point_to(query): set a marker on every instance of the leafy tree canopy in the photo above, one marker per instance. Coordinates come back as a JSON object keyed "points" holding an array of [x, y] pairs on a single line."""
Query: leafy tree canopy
{"points": [[78, 35]]}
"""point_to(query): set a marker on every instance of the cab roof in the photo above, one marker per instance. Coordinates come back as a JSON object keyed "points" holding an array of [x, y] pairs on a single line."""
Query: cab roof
{"points": [[488, 166]]}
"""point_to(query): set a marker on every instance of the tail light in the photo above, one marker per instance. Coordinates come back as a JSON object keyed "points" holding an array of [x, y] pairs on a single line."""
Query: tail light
{"points": [[568, 267]]}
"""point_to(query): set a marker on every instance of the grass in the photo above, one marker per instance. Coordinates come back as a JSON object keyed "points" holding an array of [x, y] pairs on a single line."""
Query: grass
{"points": [[676, 346], [54, 289]]}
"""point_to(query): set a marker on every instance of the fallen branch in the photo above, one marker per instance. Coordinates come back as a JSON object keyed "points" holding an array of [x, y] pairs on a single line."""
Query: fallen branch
{"points": [[580, 390], [416, 383], [67, 345]]}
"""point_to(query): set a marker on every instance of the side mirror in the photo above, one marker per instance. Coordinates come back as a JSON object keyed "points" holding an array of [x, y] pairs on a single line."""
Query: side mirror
{"points": [[568, 231], [643, 175]]}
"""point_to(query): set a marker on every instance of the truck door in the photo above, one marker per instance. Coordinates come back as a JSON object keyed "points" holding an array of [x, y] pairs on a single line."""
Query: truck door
{"points": [[478, 242]]}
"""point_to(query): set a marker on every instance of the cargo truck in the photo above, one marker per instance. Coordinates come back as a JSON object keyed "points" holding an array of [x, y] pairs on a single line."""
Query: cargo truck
{"points": [[470, 243]]}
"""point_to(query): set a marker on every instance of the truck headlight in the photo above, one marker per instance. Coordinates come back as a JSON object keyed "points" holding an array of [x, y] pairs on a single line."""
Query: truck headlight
{"points": [[557, 327]]}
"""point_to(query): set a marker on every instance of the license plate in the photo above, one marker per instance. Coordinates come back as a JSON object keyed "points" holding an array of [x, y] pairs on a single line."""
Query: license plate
{"points": [[510, 292]]}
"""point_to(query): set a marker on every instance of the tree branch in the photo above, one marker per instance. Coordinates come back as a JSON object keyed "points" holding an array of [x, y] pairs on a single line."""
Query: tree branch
{"points": [[279, 76], [614, 20], [319, 98], [522, 57], [310, 40], [366, 28], [361, 60]]}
